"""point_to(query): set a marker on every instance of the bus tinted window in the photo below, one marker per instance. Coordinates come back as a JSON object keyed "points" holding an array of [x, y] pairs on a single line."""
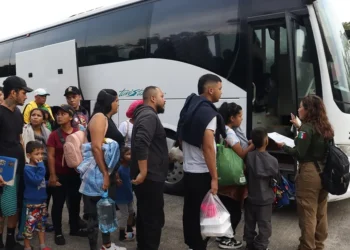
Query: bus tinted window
{"points": [[199, 32], [69, 31], [119, 35], [23, 44], [5, 50]]}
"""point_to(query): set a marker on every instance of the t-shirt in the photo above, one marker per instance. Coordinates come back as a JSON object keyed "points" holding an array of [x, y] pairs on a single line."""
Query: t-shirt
{"points": [[194, 161], [54, 141], [231, 139], [124, 192], [11, 128], [35, 184], [80, 118], [111, 133], [126, 129]]}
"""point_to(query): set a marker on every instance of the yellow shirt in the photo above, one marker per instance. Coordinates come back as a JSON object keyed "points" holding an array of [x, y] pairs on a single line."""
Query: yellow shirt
{"points": [[32, 105]]}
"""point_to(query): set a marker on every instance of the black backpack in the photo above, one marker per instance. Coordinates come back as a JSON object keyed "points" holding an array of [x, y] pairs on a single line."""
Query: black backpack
{"points": [[335, 176]]}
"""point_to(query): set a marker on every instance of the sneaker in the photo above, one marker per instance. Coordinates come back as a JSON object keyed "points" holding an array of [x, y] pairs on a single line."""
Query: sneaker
{"points": [[80, 233], [60, 240], [113, 247], [230, 243], [19, 237], [126, 236]]}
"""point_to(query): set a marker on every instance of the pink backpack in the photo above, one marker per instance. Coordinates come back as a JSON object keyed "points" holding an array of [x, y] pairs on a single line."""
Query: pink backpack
{"points": [[72, 148]]}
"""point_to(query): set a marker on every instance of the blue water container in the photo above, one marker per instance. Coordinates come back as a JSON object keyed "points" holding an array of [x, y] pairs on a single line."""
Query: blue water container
{"points": [[107, 216]]}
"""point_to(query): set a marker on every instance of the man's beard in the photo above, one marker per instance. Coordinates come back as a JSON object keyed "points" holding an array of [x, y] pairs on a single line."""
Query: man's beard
{"points": [[160, 109]]}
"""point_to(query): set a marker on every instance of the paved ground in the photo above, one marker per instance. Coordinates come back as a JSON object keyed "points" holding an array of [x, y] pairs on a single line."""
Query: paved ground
{"points": [[285, 229]]}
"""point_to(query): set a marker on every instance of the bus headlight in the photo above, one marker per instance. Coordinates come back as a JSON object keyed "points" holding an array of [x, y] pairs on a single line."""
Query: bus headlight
{"points": [[345, 149]]}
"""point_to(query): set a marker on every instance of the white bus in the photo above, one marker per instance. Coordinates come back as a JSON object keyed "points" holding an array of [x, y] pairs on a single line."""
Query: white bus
{"points": [[268, 53]]}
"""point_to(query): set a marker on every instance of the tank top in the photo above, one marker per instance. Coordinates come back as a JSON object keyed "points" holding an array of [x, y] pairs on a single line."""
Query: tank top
{"points": [[112, 133]]}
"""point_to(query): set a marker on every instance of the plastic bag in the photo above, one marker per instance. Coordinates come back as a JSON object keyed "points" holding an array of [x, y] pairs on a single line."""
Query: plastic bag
{"points": [[176, 155], [214, 218], [230, 167]]}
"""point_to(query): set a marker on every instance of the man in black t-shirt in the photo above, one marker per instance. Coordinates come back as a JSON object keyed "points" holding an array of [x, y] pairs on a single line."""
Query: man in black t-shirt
{"points": [[11, 145]]}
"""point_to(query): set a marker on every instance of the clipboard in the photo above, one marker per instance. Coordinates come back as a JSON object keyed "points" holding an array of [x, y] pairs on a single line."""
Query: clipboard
{"points": [[8, 167]]}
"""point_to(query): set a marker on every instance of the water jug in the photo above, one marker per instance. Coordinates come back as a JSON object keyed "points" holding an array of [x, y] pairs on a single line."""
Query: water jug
{"points": [[106, 212]]}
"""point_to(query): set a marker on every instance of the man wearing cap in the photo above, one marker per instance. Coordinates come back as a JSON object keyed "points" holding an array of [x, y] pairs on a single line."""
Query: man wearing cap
{"points": [[81, 115], [39, 102], [11, 145]]}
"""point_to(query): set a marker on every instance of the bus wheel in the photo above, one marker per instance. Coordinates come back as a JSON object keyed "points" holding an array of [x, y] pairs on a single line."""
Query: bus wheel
{"points": [[174, 183]]}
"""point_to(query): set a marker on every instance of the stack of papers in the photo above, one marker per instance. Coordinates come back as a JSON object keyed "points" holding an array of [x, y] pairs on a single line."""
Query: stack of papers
{"points": [[281, 138]]}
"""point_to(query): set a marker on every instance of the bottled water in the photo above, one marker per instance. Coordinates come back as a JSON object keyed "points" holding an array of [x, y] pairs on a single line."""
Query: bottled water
{"points": [[106, 212]]}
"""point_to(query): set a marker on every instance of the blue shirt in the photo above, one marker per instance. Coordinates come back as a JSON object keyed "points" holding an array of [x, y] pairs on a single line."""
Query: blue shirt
{"points": [[124, 192], [35, 184]]}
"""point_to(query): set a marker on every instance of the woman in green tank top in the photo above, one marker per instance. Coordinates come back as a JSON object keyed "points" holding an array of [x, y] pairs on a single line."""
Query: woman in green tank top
{"points": [[311, 145]]}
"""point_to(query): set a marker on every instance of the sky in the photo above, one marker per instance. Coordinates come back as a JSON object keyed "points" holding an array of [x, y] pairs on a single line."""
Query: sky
{"points": [[19, 16]]}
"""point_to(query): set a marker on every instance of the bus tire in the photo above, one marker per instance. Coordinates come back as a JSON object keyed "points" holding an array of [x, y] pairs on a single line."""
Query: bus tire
{"points": [[174, 183]]}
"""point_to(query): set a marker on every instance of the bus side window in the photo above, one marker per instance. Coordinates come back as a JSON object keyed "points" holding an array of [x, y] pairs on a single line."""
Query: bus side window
{"points": [[181, 31], [5, 51]]}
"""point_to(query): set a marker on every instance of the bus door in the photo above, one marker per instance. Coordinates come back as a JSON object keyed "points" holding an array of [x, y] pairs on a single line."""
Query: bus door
{"points": [[53, 67], [283, 69], [272, 96]]}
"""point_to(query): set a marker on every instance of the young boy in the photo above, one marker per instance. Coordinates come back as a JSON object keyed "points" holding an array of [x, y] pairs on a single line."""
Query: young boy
{"points": [[262, 168], [35, 195], [124, 196]]}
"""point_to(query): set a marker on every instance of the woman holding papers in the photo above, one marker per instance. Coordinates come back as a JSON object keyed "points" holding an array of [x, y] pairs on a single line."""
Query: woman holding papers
{"points": [[310, 147], [233, 196]]}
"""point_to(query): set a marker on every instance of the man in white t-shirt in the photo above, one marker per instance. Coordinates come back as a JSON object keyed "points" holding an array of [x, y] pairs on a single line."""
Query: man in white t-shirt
{"points": [[199, 121]]}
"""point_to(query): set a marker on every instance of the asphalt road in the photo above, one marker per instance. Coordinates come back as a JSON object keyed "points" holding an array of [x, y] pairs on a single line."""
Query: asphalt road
{"points": [[285, 229]]}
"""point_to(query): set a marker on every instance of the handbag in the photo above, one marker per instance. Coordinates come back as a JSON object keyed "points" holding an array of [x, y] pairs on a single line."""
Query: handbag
{"points": [[230, 167]]}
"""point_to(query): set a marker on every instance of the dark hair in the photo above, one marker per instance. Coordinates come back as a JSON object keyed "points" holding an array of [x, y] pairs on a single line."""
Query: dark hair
{"points": [[258, 137], [317, 116], [148, 91], [105, 98], [32, 145], [1, 89], [7, 91], [46, 113], [39, 109], [227, 110], [205, 80], [123, 151]]}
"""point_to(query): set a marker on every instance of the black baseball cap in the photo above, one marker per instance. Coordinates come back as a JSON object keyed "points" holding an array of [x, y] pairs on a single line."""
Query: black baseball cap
{"points": [[68, 109], [72, 90], [15, 82]]}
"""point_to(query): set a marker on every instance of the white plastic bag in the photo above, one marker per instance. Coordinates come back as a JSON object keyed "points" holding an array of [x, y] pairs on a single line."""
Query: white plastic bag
{"points": [[175, 155], [214, 219]]}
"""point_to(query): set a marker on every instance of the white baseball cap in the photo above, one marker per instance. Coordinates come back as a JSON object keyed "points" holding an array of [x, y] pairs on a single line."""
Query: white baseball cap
{"points": [[41, 92]]}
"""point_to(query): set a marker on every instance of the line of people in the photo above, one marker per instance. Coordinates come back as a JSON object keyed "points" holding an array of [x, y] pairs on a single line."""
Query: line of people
{"points": [[201, 125], [143, 167]]}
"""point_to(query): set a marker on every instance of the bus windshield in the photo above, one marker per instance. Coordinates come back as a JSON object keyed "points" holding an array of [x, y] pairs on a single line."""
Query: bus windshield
{"points": [[337, 49]]}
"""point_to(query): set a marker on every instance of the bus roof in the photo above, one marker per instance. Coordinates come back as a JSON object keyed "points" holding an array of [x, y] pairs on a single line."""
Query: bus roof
{"points": [[74, 18]]}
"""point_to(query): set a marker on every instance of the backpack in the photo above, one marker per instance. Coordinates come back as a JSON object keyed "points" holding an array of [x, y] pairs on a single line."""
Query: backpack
{"points": [[72, 147], [335, 175]]}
